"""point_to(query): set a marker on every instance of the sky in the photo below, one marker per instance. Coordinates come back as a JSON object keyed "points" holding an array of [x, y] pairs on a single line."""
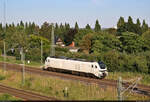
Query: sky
{"points": [[70, 11]]}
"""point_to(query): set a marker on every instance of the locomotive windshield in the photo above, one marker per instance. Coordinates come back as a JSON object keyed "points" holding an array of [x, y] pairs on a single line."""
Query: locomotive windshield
{"points": [[102, 65]]}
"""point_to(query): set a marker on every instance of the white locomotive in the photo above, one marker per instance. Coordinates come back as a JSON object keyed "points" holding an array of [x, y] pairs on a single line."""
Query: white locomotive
{"points": [[97, 69]]}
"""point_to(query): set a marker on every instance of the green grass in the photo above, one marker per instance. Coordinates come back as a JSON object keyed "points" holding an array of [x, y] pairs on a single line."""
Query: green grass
{"points": [[76, 91], [55, 87], [112, 75], [130, 77], [10, 59], [7, 97], [2, 77]]}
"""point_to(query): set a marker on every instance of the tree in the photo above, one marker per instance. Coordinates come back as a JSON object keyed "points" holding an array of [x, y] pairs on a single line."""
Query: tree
{"points": [[88, 26], [131, 42], [36, 30], [130, 26], [86, 43], [138, 28], [111, 31], [62, 26], [56, 26], [70, 36], [97, 47], [57, 29], [34, 47], [103, 42], [62, 30], [13, 25], [45, 30], [144, 27], [97, 26], [67, 26], [1, 31], [146, 38], [111, 58], [138, 22], [16, 38], [121, 22], [122, 28], [21, 24], [130, 21], [79, 36], [76, 26]]}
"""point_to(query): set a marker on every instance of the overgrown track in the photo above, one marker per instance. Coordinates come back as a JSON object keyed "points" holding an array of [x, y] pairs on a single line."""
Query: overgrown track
{"points": [[24, 94], [141, 89]]}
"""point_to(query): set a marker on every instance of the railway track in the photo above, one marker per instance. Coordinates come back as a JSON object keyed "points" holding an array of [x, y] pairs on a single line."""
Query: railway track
{"points": [[141, 89], [39, 71], [26, 95]]}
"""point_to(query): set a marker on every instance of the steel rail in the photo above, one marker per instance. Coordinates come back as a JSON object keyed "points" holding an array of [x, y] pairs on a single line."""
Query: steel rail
{"points": [[101, 82]]}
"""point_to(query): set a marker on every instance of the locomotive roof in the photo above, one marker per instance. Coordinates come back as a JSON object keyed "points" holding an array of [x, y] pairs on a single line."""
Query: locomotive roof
{"points": [[76, 59]]}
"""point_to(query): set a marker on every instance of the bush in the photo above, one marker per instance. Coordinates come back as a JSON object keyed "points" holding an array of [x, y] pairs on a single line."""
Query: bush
{"points": [[123, 62], [0, 52], [5, 97], [17, 55], [126, 62], [61, 49], [111, 59], [2, 77], [147, 55], [34, 54], [28, 83], [140, 64]]}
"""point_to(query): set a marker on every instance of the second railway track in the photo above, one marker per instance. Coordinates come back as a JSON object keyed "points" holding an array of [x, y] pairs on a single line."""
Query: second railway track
{"points": [[104, 82], [25, 95]]}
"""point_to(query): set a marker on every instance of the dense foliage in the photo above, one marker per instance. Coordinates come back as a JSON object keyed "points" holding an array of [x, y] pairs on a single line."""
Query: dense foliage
{"points": [[126, 48]]}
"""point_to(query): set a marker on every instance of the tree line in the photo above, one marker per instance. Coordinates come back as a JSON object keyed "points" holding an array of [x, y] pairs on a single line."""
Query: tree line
{"points": [[126, 48]]}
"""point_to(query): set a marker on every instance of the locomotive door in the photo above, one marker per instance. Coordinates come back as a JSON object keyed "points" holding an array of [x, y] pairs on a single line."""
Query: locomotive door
{"points": [[77, 67]]}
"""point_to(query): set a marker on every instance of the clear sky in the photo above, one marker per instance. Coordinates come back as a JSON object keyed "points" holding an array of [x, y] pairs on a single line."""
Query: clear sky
{"points": [[70, 11]]}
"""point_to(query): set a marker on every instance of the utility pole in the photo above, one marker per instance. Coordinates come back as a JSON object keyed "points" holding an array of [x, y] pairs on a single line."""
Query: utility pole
{"points": [[4, 56], [41, 52], [52, 42], [4, 36], [119, 89], [23, 66]]}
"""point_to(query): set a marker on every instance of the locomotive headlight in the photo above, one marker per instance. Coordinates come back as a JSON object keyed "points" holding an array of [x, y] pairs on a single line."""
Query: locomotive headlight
{"points": [[100, 74], [106, 73]]}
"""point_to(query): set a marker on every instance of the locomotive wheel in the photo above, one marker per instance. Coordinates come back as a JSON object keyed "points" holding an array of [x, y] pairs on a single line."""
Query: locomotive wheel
{"points": [[87, 75], [43, 69]]}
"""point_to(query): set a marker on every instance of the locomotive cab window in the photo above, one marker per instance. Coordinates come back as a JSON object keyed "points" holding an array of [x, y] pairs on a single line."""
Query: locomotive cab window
{"points": [[47, 60], [95, 66], [92, 66]]}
